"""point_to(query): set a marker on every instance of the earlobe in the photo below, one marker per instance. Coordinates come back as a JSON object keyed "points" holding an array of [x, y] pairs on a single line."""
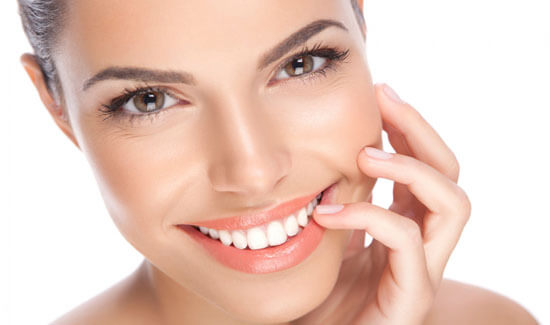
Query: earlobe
{"points": [[31, 66]]}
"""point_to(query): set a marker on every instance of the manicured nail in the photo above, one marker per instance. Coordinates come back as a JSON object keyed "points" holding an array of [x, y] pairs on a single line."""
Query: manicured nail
{"points": [[329, 208], [392, 94], [378, 154]]}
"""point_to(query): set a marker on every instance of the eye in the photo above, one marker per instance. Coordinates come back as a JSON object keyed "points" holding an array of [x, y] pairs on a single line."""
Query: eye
{"points": [[300, 66], [148, 101]]}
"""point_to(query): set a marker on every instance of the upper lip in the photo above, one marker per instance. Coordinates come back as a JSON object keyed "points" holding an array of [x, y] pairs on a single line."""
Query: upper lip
{"points": [[258, 218]]}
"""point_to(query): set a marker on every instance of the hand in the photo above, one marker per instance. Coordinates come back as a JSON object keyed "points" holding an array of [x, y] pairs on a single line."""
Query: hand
{"points": [[418, 231]]}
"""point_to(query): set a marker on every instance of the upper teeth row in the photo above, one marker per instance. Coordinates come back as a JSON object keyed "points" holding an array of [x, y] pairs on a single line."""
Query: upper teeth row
{"points": [[273, 233]]}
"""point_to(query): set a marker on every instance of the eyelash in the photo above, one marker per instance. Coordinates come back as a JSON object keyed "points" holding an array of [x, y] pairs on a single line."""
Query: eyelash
{"points": [[114, 108], [333, 55]]}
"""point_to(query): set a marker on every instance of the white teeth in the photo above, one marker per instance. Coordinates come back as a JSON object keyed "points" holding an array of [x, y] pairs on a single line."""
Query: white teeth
{"points": [[302, 217], [225, 237], [256, 238], [239, 239], [276, 234], [309, 208], [291, 225], [213, 233], [311, 205]]}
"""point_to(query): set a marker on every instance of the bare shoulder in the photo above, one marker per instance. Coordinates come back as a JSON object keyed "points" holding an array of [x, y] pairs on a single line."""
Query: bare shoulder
{"points": [[121, 304], [460, 303]]}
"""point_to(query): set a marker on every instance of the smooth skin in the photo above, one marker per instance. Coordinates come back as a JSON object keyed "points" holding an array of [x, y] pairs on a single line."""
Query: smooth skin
{"points": [[241, 144]]}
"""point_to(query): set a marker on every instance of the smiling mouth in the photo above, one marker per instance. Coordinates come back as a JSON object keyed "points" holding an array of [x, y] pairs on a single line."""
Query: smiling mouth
{"points": [[273, 233], [265, 241]]}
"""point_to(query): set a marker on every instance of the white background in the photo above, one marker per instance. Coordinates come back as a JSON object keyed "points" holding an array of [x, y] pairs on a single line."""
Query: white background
{"points": [[478, 71]]}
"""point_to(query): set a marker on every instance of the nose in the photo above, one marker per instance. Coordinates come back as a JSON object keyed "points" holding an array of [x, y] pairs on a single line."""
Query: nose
{"points": [[250, 157]]}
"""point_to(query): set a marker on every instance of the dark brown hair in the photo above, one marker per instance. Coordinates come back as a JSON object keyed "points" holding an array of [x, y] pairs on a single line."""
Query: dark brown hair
{"points": [[43, 22]]}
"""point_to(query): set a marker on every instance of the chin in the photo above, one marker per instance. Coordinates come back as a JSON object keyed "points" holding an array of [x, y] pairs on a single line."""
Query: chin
{"points": [[290, 294]]}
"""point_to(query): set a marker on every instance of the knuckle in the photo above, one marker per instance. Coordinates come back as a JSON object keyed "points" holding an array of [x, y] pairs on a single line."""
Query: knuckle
{"points": [[454, 169], [411, 231], [464, 205]]}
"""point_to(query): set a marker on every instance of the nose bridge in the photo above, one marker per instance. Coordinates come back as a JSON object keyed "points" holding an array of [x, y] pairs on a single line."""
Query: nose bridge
{"points": [[249, 158]]}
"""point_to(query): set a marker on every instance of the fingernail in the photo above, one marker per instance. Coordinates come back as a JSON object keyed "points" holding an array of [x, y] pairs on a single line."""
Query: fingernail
{"points": [[392, 94], [329, 208], [378, 154]]}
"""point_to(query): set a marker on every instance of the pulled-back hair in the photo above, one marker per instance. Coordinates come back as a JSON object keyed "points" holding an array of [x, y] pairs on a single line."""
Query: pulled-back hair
{"points": [[43, 22]]}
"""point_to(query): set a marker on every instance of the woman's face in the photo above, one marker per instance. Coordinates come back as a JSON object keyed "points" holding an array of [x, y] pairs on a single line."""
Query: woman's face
{"points": [[236, 139]]}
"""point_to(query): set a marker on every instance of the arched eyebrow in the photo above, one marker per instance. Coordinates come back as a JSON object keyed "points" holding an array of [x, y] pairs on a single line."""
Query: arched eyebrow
{"points": [[171, 76]]}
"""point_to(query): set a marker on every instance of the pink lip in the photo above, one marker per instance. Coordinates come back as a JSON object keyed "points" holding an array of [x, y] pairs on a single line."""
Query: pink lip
{"points": [[266, 260], [258, 218], [273, 258]]}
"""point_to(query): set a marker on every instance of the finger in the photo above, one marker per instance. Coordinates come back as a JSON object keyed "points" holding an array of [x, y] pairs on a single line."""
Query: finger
{"points": [[358, 240], [448, 205], [436, 191], [405, 125], [397, 140], [401, 235], [403, 200]]}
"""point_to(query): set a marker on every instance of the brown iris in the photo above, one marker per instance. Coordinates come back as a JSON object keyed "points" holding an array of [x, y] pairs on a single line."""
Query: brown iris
{"points": [[303, 64], [149, 101]]}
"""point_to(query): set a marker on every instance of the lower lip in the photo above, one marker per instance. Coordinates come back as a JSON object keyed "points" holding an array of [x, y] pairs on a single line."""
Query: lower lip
{"points": [[270, 259]]}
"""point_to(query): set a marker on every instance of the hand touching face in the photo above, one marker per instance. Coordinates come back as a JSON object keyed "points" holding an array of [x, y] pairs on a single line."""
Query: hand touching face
{"points": [[423, 224]]}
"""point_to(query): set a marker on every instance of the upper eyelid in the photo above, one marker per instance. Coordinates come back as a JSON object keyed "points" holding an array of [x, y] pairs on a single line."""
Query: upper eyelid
{"points": [[314, 51], [129, 94], [296, 55], [123, 99]]}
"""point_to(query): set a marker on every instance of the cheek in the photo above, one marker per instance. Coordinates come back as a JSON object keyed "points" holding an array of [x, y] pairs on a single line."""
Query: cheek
{"points": [[139, 179], [353, 124], [337, 125], [348, 122]]}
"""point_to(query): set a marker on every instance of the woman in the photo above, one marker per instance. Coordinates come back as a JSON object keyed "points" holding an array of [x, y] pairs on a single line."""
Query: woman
{"points": [[235, 146]]}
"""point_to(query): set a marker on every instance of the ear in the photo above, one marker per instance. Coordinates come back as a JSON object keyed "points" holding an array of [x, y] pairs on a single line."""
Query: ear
{"points": [[31, 66]]}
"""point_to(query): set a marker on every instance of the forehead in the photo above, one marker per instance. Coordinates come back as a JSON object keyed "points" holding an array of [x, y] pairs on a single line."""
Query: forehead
{"points": [[107, 32]]}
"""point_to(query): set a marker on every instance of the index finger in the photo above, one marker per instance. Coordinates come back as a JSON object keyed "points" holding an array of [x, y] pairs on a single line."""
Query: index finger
{"points": [[409, 131]]}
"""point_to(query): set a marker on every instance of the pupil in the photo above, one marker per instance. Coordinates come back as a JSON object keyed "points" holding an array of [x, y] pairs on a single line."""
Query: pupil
{"points": [[150, 98], [300, 63]]}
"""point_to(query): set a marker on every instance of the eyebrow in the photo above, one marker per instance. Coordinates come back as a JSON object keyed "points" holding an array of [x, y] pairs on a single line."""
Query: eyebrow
{"points": [[171, 76]]}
